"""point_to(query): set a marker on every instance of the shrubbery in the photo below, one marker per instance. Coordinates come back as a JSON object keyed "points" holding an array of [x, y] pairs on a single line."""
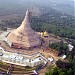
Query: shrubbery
{"points": [[60, 46]]}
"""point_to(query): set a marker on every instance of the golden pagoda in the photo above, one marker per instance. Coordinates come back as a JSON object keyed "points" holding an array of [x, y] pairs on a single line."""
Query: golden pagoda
{"points": [[45, 34]]}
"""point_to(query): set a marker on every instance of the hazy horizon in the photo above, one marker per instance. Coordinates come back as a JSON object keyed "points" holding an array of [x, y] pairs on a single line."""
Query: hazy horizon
{"points": [[20, 6]]}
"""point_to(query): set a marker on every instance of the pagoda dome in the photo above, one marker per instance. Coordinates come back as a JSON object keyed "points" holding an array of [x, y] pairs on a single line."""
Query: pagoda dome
{"points": [[24, 36]]}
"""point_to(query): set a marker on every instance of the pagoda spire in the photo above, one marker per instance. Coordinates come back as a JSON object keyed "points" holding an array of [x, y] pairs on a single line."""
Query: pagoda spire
{"points": [[27, 16], [26, 21]]}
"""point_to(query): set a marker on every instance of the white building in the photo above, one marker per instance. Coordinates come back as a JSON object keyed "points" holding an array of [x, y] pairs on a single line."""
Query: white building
{"points": [[22, 60], [70, 47]]}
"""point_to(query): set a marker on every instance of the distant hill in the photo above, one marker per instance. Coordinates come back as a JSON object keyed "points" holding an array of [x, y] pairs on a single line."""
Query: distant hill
{"points": [[20, 6]]}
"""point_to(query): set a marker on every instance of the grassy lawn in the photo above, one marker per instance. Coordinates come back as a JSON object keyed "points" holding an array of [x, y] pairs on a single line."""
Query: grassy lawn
{"points": [[16, 69]]}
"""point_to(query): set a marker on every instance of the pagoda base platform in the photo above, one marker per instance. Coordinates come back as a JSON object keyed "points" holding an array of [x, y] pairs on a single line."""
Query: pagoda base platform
{"points": [[21, 51], [17, 46]]}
